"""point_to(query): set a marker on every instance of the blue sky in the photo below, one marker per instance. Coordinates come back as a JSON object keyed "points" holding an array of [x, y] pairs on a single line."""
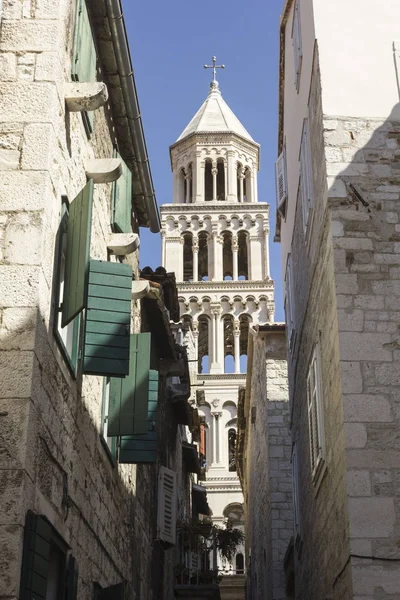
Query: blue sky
{"points": [[170, 41]]}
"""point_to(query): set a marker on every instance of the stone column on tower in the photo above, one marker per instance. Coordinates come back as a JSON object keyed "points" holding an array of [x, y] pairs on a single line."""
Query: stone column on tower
{"points": [[195, 250], [214, 172], [236, 348], [235, 249]]}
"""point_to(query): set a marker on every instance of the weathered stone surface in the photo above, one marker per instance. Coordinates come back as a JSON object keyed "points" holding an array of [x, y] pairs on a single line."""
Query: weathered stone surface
{"points": [[364, 408], [29, 35], [364, 346], [371, 517]]}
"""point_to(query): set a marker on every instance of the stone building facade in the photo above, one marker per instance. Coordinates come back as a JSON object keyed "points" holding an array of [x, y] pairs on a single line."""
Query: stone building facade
{"points": [[264, 456], [215, 238], [90, 494], [338, 222]]}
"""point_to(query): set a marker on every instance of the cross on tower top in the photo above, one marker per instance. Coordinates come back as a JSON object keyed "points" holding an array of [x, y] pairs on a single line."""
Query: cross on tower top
{"points": [[214, 67]]}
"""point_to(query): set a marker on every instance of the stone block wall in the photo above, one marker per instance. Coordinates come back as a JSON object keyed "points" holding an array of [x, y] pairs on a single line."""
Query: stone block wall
{"points": [[346, 288], [269, 522], [364, 153], [322, 548], [52, 459]]}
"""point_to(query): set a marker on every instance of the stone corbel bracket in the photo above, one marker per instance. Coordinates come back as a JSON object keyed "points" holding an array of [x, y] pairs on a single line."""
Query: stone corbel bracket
{"points": [[103, 170], [122, 244], [85, 96], [140, 289]]}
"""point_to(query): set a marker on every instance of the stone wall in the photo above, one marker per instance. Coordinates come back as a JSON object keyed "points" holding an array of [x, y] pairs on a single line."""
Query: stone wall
{"points": [[364, 153], [322, 548], [52, 458], [268, 487], [346, 288]]}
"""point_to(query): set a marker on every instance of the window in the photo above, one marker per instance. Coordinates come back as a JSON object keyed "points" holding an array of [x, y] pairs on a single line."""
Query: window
{"points": [[297, 45], [111, 442], [45, 571], [84, 58], [315, 413], [289, 303], [295, 483], [305, 176], [281, 184], [68, 336], [232, 449], [121, 208], [166, 513]]}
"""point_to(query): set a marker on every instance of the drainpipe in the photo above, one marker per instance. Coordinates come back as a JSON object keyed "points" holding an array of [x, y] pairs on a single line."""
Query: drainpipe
{"points": [[125, 72]]}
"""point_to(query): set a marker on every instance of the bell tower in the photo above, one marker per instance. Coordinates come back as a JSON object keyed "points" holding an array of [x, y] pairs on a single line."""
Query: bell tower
{"points": [[215, 238]]}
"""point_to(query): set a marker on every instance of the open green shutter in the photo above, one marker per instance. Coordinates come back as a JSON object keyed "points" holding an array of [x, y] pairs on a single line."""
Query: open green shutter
{"points": [[77, 254], [122, 201], [108, 317], [84, 58], [129, 397], [143, 448], [35, 559]]}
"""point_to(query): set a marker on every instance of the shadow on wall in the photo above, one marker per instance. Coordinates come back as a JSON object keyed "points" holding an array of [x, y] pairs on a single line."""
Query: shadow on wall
{"points": [[361, 223]]}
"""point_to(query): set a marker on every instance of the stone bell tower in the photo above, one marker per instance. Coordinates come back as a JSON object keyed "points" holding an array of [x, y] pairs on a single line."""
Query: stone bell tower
{"points": [[215, 238]]}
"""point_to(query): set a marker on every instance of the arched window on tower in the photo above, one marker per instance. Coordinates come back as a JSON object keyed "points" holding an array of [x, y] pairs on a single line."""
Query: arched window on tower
{"points": [[227, 256], [221, 194], [203, 256], [244, 324], [181, 186], [229, 361], [208, 181], [203, 344], [240, 182], [243, 263], [187, 257], [188, 184], [232, 449]]}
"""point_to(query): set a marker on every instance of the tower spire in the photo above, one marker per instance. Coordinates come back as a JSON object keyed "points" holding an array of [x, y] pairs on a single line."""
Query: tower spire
{"points": [[214, 67]]}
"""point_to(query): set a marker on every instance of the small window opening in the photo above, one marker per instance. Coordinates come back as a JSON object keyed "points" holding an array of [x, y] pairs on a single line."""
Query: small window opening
{"points": [[188, 257], [232, 449], [227, 256], [208, 183], [220, 180], [243, 267], [203, 345], [203, 256]]}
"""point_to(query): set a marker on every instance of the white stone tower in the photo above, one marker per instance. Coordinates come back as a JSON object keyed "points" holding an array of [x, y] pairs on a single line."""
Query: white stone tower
{"points": [[215, 239]]}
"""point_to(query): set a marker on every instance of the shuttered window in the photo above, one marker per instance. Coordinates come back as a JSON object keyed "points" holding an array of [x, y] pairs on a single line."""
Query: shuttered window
{"points": [[305, 176], [68, 336], [295, 484], [77, 254], [122, 201], [315, 413], [297, 44], [166, 513], [108, 314], [281, 183], [129, 396], [44, 573], [114, 592], [84, 58], [289, 302], [142, 448]]}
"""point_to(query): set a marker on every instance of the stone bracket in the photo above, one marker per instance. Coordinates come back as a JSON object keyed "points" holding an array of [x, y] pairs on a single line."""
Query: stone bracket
{"points": [[122, 244], [140, 289], [103, 170], [85, 96]]}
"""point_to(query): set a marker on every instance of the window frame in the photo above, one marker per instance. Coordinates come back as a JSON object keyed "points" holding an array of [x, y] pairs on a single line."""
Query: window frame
{"points": [[297, 44], [315, 415], [289, 303], [109, 443], [71, 359], [295, 493], [306, 182], [281, 184]]}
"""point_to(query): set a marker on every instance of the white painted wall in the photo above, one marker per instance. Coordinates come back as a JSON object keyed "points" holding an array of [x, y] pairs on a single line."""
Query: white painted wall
{"points": [[355, 40], [295, 110]]}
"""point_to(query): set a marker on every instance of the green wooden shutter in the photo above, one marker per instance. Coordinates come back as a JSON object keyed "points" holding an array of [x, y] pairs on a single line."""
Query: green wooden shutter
{"points": [[108, 317], [129, 397], [35, 559], [77, 254], [114, 592], [71, 583], [143, 448], [122, 201], [84, 58]]}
